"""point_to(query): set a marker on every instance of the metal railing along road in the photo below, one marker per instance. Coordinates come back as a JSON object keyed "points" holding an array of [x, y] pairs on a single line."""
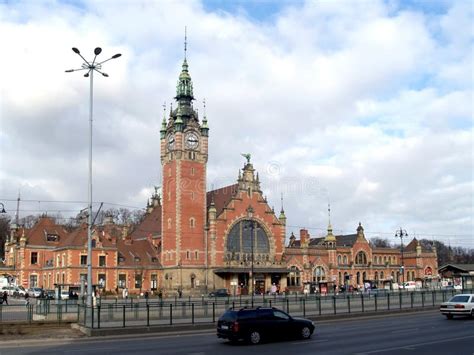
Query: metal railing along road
{"points": [[151, 312], [115, 312]]}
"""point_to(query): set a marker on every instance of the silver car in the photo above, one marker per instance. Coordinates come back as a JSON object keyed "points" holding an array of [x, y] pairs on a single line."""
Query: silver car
{"points": [[34, 291]]}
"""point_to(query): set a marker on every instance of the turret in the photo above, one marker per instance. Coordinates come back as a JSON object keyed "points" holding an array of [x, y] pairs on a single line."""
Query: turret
{"points": [[248, 181], [330, 239]]}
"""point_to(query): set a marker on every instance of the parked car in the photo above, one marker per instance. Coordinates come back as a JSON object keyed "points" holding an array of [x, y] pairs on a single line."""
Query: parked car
{"points": [[64, 295], [462, 304], [16, 291], [50, 294], [262, 323], [220, 292], [34, 291], [20, 291]]}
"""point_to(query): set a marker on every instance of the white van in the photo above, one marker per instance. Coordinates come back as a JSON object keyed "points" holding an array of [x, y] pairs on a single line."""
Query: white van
{"points": [[409, 286]]}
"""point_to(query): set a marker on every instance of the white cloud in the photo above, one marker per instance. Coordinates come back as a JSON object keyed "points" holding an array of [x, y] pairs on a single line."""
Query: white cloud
{"points": [[367, 105]]}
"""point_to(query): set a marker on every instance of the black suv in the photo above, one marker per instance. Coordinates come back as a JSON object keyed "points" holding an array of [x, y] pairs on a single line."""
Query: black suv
{"points": [[261, 323]]}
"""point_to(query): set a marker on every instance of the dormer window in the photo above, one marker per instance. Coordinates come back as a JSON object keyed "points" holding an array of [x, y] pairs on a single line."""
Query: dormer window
{"points": [[154, 259], [52, 237], [137, 259], [121, 259]]}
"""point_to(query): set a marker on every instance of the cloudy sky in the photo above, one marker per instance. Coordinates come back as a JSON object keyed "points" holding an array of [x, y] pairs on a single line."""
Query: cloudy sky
{"points": [[366, 104]]}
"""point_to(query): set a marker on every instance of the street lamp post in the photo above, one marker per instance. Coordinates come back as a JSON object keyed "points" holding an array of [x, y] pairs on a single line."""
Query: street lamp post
{"points": [[90, 67], [250, 216], [400, 234]]}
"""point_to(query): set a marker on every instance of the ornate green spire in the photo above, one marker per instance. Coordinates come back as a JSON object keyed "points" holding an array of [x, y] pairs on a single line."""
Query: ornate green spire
{"points": [[184, 88], [204, 126], [163, 123]]}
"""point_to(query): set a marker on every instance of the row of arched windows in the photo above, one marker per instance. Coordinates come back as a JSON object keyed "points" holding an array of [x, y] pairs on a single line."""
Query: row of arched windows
{"points": [[361, 259], [319, 274], [294, 276], [379, 260], [342, 259]]}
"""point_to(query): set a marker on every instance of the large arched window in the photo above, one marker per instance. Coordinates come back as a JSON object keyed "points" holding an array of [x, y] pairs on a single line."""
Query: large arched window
{"points": [[319, 274], [344, 260], [361, 258], [247, 239], [339, 259], [294, 277]]}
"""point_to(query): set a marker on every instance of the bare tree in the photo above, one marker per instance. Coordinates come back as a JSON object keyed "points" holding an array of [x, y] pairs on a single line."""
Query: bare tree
{"points": [[378, 242]]}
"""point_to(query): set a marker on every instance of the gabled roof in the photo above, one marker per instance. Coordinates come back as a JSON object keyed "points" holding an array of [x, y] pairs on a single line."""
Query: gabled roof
{"points": [[413, 244], [151, 225], [346, 240], [315, 241], [38, 233], [78, 237], [139, 252], [221, 197], [461, 267]]}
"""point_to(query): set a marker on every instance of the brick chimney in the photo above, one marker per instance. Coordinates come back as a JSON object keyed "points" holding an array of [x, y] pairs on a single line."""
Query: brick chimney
{"points": [[304, 237]]}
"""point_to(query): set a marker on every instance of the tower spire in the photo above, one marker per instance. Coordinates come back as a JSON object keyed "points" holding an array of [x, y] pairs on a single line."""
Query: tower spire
{"points": [[17, 215], [185, 42], [329, 213], [163, 123], [330, 239]]}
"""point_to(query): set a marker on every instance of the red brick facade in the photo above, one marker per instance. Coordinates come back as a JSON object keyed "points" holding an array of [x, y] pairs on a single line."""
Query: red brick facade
{"points": [[319, 264]]}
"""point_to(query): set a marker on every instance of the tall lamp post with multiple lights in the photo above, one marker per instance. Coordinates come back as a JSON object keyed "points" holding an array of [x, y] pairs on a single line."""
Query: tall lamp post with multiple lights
{"points": [[252, 277], [90, 67], [401, 233]]}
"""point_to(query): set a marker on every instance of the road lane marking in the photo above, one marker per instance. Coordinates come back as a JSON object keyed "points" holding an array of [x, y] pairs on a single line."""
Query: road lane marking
{"points": [[414, 346], [408, 330], [310, 341]]}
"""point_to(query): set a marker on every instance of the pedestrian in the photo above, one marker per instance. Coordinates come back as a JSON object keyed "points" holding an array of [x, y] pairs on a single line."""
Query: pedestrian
{"points": [[180, 292], [160, 295], [125, 293], [5, 297], [27, 299], [146, 296]]}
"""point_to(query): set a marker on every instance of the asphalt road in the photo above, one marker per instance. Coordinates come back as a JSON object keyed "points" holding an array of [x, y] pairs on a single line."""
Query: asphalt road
{"points": [[414, 333]]}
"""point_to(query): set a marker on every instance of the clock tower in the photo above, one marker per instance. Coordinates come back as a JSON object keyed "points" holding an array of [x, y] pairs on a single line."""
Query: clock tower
{"points": [[184, 153]]}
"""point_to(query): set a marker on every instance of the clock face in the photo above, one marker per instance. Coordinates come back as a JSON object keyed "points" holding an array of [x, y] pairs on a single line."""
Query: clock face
{"points": [[192, 140], [171, 141]]}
